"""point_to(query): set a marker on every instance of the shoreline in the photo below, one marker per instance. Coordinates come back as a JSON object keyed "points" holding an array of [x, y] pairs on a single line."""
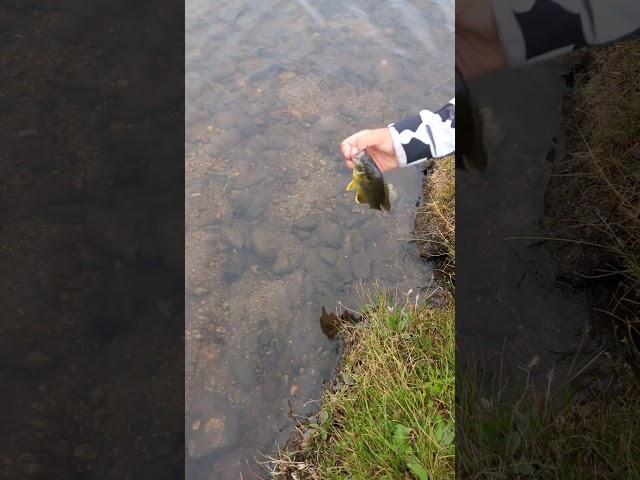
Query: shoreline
{"points": [[368, 398]]}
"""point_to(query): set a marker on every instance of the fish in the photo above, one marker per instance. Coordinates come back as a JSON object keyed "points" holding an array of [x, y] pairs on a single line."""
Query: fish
{"points": [[368, 182]]}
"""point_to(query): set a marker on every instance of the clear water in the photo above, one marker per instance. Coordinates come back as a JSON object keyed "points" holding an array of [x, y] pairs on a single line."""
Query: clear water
{"points": [[272, 88]]}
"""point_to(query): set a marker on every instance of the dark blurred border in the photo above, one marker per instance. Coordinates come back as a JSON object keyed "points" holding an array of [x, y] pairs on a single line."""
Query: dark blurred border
{"points": [[92, 267], [547, 317]]}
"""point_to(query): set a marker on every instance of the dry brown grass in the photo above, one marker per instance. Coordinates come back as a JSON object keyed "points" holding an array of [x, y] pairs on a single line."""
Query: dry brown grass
{"points": [[593, 201], [436, 219]]}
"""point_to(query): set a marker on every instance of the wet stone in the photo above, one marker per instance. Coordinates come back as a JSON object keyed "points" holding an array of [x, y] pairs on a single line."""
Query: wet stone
{"points": [[256, 207], [361, 263], [249, 179], [330, 234], [312, 242], [266, 241], [372, 230], [343, 269], [244, 374], [318, 268], [282, 265], [200, 291], [302, 234], [329, 255], [358, 242], [214, 427], [306, 222], [233, 235]]}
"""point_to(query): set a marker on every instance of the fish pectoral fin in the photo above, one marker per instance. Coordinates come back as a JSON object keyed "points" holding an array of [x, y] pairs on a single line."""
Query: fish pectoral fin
{"points": [[351, 186], [386, 202], [358, 198]]}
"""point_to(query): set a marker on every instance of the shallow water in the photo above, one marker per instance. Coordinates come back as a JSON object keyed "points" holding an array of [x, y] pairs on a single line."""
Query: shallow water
{"points": [[271, 234], [510, 304]]}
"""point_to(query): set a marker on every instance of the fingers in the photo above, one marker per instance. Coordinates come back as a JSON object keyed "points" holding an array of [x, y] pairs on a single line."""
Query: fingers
{"points": [[371, 138], [349, 148]]}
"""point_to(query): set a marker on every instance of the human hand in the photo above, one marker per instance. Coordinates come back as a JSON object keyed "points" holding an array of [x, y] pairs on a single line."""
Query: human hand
{"points": [[479, 49], [377, 143]]}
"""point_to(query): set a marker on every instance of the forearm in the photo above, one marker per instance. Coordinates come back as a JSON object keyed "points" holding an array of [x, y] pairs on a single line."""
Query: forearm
{"points": [[550, 28], [425, 136]]}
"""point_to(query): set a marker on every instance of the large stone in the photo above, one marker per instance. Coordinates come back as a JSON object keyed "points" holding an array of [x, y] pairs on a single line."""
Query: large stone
{"points": [[284, 264], [265, 240], [306, 222], [330, 234], [361, 263], [329, 255]]}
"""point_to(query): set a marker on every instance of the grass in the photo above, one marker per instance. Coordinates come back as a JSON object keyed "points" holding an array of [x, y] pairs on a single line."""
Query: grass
{"points": [[436, 218], [594, 194], [574, 427], [390, 414], [569, 434]]}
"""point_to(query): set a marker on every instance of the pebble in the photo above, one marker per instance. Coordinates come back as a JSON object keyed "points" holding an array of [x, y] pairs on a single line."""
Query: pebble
{"points": [[200, 291], [218, 429], [286, 76]]}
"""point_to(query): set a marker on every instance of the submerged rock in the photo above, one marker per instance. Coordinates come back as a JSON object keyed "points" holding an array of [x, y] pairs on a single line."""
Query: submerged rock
{"points": [[361, 263], [329, 255], [233, 235], [213, 427], [306, 222], [330, 234], [265, 240], [283, 264]]}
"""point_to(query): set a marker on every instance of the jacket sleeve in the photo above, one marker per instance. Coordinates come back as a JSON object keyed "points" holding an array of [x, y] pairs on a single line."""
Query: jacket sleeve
{"points": [[425, 136], [533, 30]]}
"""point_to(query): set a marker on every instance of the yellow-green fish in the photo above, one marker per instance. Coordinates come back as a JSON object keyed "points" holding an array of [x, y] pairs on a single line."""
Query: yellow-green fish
{"points": [[367, 181]]}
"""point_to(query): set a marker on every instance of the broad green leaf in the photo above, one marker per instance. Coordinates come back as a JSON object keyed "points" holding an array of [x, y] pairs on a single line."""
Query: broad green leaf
{"points": [[418, 471], [401, 434], [323, 417]]}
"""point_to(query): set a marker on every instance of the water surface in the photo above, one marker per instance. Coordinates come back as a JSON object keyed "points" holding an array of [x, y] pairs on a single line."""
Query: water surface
{"points": [[271, 234]]}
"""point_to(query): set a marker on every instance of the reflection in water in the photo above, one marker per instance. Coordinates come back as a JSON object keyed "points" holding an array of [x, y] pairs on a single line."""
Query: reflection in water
{"points": [[509, 303], [271, 233]]}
